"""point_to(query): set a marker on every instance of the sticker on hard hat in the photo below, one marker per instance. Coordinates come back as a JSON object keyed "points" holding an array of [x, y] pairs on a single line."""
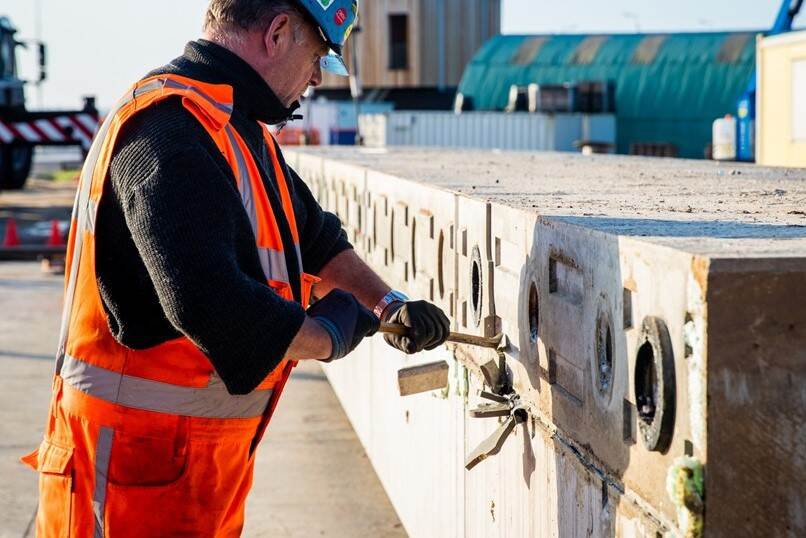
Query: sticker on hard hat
{"points": [[325, 3], [340, 16]]}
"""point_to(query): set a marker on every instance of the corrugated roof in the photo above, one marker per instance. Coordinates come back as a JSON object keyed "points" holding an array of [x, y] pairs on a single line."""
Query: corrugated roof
{"points": [[669, 87]]}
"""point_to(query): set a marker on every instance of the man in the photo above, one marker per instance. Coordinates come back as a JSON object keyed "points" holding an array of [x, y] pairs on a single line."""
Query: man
{"points": [[193, 253]]}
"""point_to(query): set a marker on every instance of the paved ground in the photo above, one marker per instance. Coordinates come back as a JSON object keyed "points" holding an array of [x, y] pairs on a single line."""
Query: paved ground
{"points": [[313, 477]]}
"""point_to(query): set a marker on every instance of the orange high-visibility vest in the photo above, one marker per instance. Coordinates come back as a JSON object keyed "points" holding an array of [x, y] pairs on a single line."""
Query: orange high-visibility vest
{"points": [[149, 442]]}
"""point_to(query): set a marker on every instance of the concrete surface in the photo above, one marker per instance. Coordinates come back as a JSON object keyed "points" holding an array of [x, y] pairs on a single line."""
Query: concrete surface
{"points": [[312, 478], [702, 207], [30, 303]]}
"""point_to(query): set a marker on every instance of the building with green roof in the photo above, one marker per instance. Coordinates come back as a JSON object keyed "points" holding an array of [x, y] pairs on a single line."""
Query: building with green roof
{"points": [[669, 88]]}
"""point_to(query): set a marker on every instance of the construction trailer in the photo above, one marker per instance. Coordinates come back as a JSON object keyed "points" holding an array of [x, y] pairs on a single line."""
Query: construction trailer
{"points": [[655, 313], [22, 130], [781, 100], [746, 109], [489, 130]]}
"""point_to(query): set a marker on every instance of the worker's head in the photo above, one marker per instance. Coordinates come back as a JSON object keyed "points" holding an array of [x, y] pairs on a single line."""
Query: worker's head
{"points": [[287, 42]]}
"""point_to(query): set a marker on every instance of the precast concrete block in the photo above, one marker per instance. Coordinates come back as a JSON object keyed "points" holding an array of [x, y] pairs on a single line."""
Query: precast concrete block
{"points": [[578, 339], [574, 278], [345, 186], [378, 244], [410, 240], [405, 463], [636, 337], [513, 232], [311, 169], [389, 228], [432, 274], [656, 295], [475, 308], [393, 429], [539, 486], [750, 395]]}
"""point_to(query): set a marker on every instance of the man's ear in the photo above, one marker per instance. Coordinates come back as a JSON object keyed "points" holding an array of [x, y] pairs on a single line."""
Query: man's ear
{"points": [[278, 35]]}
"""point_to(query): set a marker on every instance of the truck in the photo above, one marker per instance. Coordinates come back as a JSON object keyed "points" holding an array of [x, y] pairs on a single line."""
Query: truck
{"points": [[21, 130]]}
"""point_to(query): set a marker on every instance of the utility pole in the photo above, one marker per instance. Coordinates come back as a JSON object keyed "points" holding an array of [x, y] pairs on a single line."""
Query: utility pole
{"points": [[356, 91], [441, 45]]}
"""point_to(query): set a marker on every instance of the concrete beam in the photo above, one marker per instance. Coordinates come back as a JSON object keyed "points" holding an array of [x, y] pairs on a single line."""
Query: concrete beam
{"points": [[654, 309]]}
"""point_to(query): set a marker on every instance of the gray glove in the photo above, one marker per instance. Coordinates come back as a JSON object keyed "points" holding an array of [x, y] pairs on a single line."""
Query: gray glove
{"points": [[429, 326], [345, 319]]}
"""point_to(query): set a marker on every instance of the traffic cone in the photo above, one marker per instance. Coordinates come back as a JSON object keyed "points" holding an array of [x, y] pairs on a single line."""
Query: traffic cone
{"points": [[55, 239], [12, 238]]}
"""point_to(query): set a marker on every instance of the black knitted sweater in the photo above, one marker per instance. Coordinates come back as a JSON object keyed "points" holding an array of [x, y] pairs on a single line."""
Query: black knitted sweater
{"points": [[176, 255]]}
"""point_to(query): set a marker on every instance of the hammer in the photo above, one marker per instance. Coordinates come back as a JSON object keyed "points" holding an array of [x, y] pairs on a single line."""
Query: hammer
{"points": [[434, 375], [492, 342]]}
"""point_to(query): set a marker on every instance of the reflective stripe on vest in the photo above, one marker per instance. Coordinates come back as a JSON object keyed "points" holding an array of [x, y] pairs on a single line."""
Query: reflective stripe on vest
{"points": [[213, 400], [271, 260]]}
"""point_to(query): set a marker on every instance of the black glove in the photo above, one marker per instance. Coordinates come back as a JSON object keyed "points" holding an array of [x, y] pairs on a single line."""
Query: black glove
{"points": [[345, 319], [429, 327]]}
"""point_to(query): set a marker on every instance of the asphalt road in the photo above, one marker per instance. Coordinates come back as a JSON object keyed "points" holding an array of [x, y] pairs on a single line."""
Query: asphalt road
{"points": [[313, 477]]}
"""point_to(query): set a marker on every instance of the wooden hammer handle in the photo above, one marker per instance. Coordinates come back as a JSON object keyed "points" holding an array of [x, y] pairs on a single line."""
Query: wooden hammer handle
{"points": [[458, 338]]}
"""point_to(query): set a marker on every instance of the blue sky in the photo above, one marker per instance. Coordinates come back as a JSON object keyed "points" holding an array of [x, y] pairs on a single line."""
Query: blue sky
{"points": [[102, 46]]}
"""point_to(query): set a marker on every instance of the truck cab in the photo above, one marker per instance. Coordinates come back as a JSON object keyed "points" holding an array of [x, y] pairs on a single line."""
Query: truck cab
{"points": [[15, 158], [12, 97]]}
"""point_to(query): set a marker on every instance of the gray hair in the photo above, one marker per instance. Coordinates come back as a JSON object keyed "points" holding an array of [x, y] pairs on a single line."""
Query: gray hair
{"points": [[227, 15]]}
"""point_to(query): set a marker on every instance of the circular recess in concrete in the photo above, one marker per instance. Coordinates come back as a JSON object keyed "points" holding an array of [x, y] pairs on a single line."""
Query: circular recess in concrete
{"points": [[476, 286], [534, 314], [654, 380]]}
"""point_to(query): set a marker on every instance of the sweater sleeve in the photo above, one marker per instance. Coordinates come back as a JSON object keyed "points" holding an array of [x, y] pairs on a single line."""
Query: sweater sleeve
{"points": [[322, 237], [183, 216]]}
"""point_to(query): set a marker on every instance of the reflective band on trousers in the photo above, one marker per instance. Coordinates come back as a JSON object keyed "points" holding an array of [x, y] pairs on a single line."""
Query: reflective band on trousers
{"points": [[212, 401]]}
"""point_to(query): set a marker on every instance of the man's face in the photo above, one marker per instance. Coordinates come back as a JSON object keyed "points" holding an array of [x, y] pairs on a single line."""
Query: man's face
{"points": [[301, 62]]}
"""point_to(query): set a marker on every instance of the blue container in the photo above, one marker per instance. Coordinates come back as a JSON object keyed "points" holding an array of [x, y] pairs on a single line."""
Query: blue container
{"points": [[746, 128], [342, 137]]}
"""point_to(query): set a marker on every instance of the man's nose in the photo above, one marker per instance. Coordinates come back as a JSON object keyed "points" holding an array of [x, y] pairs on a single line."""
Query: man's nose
{"points": [[316, 76]]}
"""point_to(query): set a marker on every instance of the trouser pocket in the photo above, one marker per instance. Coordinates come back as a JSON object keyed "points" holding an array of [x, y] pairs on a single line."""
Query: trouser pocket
{"points": [[55, 466], [148, 461]]}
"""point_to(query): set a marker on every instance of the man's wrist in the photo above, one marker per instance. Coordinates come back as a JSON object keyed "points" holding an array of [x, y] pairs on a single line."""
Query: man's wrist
{"points": [[338, 345], [389, 303], [390, 310]]}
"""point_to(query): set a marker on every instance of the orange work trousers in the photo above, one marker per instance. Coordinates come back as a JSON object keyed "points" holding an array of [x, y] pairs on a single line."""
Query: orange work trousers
{"points": [[111, 471]]}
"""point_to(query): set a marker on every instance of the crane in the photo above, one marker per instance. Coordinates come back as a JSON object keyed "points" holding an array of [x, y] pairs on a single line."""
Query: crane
{"points": [[746, 109]]}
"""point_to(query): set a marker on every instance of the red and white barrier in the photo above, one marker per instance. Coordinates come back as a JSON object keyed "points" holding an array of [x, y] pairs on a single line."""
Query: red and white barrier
{"points": [[79, 128]]}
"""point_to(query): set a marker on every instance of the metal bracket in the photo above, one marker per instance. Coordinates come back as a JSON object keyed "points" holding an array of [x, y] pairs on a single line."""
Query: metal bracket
{"points": [[501, 406]]}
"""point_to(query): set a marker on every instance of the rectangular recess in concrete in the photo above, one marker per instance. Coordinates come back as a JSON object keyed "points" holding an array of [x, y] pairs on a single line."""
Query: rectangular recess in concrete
{"points": [[565, 279]]}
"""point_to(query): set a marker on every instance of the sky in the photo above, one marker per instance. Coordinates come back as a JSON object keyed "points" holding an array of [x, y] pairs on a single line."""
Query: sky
{"points": [[101, 46]]}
